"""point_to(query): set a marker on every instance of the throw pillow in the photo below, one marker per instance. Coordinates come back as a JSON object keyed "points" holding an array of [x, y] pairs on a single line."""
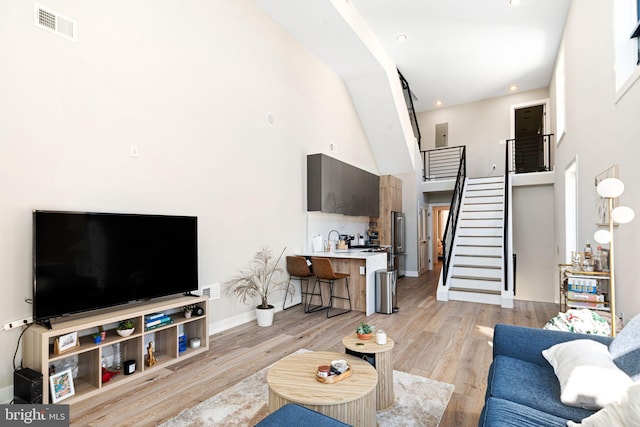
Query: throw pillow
{"points": [[588, 377], [616, 414]]}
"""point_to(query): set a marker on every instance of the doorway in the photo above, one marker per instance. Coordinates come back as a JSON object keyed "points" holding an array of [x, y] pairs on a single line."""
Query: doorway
{"points": [[440, 214], [529, 122]]}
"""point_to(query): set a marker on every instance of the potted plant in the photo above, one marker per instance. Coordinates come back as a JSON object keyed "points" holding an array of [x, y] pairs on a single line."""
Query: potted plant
{"points": [[261, 279], [364, 331], [188, 309], [125, 328]]}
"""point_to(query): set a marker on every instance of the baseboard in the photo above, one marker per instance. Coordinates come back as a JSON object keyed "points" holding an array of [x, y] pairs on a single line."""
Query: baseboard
{"points": [[231, 322], [242, 318], [6, 395], [411, 273]]}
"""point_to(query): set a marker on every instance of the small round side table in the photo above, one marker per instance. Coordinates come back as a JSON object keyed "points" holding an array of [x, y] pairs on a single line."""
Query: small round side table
{"points": [[382, 358]]}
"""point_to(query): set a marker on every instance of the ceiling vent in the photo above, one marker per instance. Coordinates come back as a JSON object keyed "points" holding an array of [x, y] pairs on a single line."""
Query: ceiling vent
{"points": [[53, 22]]}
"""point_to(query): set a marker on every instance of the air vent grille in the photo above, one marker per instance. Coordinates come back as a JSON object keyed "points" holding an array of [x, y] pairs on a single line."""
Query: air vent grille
{"points": [[211, 291], [54, 22], [46, 19]]}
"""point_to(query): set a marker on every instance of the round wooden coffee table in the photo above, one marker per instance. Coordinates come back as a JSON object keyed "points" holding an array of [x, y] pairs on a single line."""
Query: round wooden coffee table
{"points": [[383, 357], [352, 400]]}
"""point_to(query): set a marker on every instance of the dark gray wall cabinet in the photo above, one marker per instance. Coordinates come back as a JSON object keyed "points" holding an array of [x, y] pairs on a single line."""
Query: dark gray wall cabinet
{"points": [[337, 187]]}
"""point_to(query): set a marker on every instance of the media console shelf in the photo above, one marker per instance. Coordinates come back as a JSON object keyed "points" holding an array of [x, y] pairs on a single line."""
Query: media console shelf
{"points": [[39, 355]]}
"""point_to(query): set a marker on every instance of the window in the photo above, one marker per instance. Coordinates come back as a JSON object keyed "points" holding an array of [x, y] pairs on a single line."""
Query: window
{"points": [[561, 110], [636, 32], [625, 47]]}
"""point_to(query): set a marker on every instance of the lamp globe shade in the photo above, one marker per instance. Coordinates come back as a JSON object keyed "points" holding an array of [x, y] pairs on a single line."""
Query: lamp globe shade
{"points": [[610, 188], [623, 214], [602, 236]]}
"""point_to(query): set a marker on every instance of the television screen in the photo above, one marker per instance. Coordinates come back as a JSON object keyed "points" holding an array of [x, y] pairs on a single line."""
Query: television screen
{"points": [[86, 261]]}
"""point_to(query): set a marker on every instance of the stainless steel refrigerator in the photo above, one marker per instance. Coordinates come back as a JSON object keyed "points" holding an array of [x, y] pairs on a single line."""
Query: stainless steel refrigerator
{"points": [[398, 248]]}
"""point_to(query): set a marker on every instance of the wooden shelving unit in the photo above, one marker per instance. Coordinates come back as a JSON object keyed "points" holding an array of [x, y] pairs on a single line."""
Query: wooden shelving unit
{"points": [[38, 345]]}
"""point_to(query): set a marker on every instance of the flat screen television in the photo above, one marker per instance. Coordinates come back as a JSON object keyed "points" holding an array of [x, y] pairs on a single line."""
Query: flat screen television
{"points": [[86, 261]]}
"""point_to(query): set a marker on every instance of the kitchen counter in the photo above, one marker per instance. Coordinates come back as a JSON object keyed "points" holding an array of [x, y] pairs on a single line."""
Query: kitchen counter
{"points": [[362, 286], [350, 253]]}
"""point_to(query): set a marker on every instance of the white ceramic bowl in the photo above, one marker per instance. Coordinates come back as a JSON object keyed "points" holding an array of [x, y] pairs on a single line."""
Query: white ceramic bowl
{"points": [[125, 332]]}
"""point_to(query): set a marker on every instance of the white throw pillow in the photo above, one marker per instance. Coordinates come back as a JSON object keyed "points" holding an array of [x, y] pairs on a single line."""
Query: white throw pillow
{"points": [[616, 414], [588, 377]]}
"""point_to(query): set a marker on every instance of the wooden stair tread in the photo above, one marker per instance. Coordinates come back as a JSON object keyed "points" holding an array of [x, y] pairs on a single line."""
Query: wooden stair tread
{"points": [[480, 255], [489, 267], [475, 291], [486, 279]]}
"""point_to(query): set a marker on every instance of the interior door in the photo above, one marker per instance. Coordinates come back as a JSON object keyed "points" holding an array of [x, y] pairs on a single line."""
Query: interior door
{"points": [[529, 146], [423, 238]]}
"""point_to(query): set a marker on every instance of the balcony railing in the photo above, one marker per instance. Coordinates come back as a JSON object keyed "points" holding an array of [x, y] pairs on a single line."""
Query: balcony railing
{"points": [[530, 154], [442, 162]]}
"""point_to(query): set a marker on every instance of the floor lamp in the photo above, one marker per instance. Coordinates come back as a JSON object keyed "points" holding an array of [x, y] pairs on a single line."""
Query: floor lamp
{"points": [[610, 189]]}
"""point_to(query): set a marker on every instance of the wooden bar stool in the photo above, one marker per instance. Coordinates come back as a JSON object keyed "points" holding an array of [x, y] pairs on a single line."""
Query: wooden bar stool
{"points": [[323, 270], [298, 269]]}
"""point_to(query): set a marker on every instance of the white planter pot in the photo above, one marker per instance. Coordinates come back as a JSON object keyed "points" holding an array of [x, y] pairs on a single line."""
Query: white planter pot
{"points": [[264, 316]]}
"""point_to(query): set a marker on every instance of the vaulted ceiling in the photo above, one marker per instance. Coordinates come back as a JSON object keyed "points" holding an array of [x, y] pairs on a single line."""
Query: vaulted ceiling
{"points": [[451, 52]]}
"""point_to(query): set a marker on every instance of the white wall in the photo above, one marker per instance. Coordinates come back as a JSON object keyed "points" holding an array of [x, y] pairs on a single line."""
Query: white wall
{"points": [[190, 85], [478, 125], [533, 244], [601, 133]]}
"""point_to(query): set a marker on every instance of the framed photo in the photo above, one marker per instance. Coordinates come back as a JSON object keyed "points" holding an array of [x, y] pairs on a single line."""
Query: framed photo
{"points": [[66, 342], [61, 385], [602, 208]]}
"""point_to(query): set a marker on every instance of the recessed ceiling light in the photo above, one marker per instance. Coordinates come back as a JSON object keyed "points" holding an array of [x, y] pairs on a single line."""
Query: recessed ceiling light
{"points": [[514, 2], [438, 103], [513, 88], [401, 37]]}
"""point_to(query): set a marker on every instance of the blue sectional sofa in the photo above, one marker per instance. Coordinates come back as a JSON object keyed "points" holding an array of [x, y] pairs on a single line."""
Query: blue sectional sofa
{"points": [[522, 388]]}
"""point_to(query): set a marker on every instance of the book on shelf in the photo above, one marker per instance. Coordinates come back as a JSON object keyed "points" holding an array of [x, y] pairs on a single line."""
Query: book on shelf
{"points": [[585, 296], [153, 316], [588, 304], [582, 285], [160, 325], [160, 321]]}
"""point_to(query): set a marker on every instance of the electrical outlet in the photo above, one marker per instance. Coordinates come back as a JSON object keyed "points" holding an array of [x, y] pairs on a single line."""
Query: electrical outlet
{"points": [[20, 322], [362, 270], [133, 151]]}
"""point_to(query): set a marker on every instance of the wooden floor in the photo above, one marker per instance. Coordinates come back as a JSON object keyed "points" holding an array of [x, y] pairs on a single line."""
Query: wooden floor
{"points": [[445, 341]]}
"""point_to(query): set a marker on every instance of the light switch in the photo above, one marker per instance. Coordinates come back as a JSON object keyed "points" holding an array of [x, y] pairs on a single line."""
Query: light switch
{"points": [[362, 270]]}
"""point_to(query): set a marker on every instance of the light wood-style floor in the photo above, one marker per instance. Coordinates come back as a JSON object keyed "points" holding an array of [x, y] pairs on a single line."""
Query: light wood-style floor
{"points": [[445, 341]]}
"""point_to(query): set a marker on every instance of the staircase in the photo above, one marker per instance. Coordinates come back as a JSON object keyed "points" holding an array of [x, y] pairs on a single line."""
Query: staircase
{"points": [[477, 268]]}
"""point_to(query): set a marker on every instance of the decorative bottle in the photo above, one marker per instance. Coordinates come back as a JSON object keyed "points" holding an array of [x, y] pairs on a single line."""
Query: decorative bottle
{"points": [[117, 357]]}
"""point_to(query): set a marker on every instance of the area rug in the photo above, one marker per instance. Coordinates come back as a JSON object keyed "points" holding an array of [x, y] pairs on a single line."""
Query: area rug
{"points": [[419, 401]]}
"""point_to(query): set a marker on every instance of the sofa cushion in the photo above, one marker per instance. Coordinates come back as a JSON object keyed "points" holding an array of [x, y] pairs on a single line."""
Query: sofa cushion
{"points": [[617, 414], [502, 413], [527, 343], [587, 375], [293, 415], [625, 348], [531, 385]]}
